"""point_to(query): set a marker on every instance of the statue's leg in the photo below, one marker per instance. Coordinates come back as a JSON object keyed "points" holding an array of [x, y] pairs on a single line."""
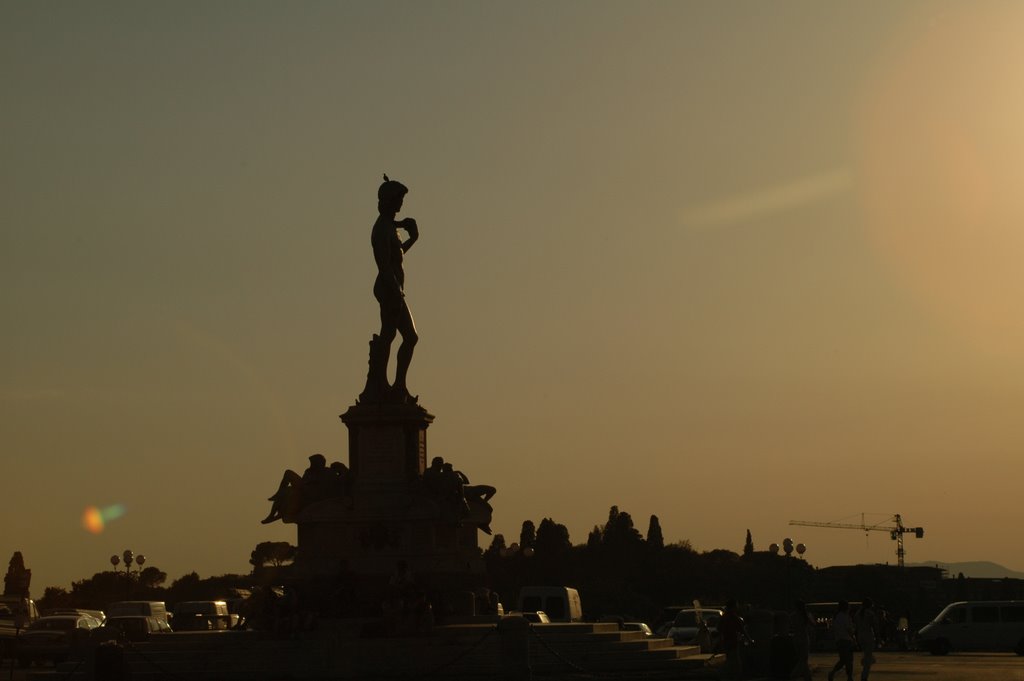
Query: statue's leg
{"points": [[407, 327], [388, 328], [481, 492], [289, 481]]}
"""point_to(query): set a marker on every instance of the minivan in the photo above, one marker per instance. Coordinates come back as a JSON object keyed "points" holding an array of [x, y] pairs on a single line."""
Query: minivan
{"points": [[201, 616], [157, 609], [561, 603], [975, 625]]}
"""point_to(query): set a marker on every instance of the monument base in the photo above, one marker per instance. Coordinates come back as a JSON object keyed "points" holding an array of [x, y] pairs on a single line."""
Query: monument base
{"points": [[391, 515]]}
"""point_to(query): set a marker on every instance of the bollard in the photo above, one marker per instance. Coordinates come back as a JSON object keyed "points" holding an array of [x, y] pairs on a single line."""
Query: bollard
{"points": [[109, 663], [515, 648]]}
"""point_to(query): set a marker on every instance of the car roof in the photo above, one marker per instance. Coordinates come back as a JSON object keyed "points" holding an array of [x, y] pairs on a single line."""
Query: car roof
{"points": [[718, 610]]}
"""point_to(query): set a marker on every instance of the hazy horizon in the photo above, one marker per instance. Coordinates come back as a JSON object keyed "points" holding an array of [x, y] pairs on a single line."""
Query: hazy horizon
{"points": [[730, 264]]}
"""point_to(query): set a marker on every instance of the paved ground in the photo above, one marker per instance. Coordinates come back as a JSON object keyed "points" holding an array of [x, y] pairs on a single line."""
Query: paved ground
{"points": [[892, 666]]}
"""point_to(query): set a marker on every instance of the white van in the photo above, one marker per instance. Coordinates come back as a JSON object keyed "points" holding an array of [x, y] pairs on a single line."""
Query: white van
{"points": [[561, 603], [975, 625], [157, 609], [201, 616]]}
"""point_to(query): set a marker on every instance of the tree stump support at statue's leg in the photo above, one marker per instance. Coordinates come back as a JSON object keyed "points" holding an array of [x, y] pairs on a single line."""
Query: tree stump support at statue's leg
{"points": [[377, 387]]}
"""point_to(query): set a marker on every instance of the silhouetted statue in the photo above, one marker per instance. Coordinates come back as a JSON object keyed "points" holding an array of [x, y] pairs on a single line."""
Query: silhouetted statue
{"points": [[478, 500], [317, 483], [18, 577], [342, 481], [432, 475], [459, 500], [389, 290]]}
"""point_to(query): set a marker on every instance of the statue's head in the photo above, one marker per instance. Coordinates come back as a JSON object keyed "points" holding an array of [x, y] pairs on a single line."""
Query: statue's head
{"points": [[390, 195], [437, 462], [317, 461]]}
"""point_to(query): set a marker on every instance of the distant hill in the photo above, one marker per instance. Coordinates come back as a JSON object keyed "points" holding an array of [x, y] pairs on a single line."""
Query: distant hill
{"points": [[981, 569]]}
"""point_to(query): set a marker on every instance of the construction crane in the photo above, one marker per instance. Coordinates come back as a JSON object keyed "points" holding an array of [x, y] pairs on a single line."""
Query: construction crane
{"points": [[896, 530]]}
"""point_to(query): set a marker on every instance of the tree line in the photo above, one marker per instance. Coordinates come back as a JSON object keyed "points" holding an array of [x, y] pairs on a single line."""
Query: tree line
{"points": [[618, 571]]}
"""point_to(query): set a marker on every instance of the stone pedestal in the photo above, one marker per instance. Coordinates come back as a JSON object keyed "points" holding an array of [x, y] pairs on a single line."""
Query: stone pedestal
{"points": [[389, 516]]}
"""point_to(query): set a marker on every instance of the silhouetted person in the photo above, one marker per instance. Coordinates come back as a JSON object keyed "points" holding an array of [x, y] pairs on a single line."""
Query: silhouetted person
{"points": [[865, 624], [842, 630], [733, 631], [803, 625], [903, 631], [402, 591], [389, 287]]}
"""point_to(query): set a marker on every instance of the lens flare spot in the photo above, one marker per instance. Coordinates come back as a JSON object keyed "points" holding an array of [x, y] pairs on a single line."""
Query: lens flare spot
{"points": [[112, 512], [92, 520], [95, 520]]}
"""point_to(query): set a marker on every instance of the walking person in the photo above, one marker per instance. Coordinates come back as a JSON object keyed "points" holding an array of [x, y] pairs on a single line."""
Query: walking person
{"points": [[734, 633], [866, 625], [803, 626], [842, 630]]}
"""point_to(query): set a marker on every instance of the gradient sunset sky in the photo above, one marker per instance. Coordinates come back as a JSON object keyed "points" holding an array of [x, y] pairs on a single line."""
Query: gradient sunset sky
{"points": [[729, 263]]}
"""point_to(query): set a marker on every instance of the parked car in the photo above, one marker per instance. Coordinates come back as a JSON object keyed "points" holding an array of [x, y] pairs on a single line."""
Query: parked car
{"points": [[131, 627], [668, 616], [686, 628], [638, 626], [97, 615], [54, 637], [533, 616], [202, 616], [16, 614]]}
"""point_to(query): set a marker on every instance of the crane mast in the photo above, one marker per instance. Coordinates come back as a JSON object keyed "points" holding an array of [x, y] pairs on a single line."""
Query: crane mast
{"points": [[896, 530]]}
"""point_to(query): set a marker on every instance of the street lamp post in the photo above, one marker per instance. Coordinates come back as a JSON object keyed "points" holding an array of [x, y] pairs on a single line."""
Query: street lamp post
{"points": [[129, 557], [788, 547]]}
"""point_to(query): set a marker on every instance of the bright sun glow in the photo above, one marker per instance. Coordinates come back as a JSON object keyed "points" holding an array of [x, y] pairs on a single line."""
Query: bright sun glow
{"points": [[943, 160]]}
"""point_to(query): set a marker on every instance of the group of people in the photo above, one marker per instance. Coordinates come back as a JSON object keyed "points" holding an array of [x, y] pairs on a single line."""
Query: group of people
{"points": [[861, 627], [407, 608]]}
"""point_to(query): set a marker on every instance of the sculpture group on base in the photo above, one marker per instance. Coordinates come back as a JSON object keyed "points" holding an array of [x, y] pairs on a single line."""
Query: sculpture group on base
{"points": [[317, 483], [460, 501]]}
